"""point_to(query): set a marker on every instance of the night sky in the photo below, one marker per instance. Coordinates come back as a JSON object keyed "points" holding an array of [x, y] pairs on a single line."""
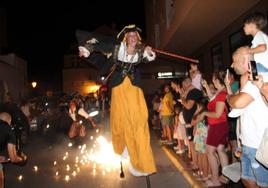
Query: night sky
{"points": [[41, 32]]}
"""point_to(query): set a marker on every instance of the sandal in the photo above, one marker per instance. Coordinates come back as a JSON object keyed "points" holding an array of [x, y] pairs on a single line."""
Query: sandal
{"points": [[209, 183], [224, 180]]}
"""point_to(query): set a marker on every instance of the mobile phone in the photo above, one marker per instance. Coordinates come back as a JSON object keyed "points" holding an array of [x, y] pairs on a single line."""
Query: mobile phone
{"points": [[227, 73], [253, 70]]}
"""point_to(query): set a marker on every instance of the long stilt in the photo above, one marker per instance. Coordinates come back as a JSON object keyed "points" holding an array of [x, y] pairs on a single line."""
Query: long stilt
{"points": [[148, 181], [122, 175]]}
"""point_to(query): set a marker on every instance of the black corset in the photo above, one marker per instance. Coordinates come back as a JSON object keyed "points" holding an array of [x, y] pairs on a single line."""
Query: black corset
{"points": [[126, 69]]}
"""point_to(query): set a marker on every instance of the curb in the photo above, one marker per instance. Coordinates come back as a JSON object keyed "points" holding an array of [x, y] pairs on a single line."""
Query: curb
{"points": [[179, 163]]}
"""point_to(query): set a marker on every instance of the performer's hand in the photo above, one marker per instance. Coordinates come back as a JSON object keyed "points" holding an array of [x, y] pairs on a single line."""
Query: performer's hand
{"points": [[83, 52], [149, 50]]}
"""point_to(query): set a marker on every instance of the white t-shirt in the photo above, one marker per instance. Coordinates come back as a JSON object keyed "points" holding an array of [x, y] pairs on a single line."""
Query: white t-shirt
{"points": [[254, 118], [261, 38]]}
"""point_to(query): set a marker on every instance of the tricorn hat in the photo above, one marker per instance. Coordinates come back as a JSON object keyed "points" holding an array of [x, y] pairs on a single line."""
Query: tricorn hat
{"points": [[126, 29]]}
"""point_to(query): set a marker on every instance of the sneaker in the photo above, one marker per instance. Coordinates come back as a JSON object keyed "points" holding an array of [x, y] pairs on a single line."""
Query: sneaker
{"points": [[180, 152], [163, 141]]}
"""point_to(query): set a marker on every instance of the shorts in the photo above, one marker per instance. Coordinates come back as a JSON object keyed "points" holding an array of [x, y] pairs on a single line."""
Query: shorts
{"points": [[217, 134], [167, 121], [252, 169]]}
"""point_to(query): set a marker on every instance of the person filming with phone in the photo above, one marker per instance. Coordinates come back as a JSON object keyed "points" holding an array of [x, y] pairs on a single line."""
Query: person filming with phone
{"points": [[253, 120], [8, 141]]}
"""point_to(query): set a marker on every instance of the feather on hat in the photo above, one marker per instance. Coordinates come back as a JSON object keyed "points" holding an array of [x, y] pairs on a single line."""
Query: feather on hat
{"points": [[126, 29]]}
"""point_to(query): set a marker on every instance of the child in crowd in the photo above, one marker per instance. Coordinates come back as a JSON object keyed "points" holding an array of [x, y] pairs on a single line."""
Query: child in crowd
{"points": [[253, 25], [195, 76], [200, 138], [179, 131]]}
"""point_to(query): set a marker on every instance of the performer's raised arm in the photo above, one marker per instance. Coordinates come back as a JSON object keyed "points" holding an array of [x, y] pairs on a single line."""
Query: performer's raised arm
{"points": [[89, 42]]}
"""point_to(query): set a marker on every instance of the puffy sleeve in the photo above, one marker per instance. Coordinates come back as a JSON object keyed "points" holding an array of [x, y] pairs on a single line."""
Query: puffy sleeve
{"points": [[104, 46], [83, 113], [90, 42], [149, 57]]}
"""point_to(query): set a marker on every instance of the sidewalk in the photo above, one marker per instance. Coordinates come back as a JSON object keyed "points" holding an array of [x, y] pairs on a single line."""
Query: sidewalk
{"points": [[182, 163]]}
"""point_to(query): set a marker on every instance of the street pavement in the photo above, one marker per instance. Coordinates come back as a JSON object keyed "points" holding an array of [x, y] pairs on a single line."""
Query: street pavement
{"points": [[61, 165]]}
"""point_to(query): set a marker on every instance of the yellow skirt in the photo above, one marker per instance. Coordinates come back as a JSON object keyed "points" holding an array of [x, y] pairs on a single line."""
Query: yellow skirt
{"points": [[129, 126]]}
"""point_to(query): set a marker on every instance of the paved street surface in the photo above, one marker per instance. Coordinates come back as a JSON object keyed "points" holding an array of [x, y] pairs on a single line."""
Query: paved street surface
{"points": [[62, 165]]}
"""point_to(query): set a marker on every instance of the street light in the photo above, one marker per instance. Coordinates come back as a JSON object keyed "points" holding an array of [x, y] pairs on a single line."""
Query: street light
{"points": [[34, 84]]}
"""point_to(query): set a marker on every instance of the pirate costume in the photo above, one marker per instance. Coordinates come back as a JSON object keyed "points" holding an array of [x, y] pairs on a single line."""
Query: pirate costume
{"points": [[129, 113]]}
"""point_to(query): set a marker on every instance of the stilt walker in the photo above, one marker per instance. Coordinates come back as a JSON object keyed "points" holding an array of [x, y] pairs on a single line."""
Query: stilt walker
{"points": [[128, 112]]}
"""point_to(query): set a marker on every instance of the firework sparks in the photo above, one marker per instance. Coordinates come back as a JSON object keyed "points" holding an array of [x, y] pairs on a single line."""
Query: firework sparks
{"points": [[20, 177], [35, 168], [67, 178], [67, 167], [74, 173], [104, 149], [98, 157]]}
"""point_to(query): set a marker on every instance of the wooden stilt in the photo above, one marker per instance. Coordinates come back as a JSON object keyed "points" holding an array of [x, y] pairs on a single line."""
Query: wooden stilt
{"points": [[122, 175], [148, 182]]}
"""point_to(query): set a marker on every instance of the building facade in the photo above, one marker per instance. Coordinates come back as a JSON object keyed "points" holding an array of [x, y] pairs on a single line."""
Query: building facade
{"points": [[206, 30], [79, 76], [13, 78]]}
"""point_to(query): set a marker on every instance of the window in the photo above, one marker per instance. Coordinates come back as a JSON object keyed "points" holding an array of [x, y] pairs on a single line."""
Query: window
{"points": [[170, 12], [217, 56], [237, 40]]}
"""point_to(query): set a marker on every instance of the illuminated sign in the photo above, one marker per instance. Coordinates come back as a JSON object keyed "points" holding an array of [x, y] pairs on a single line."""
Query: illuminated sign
{"points": [[166, 75]]}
